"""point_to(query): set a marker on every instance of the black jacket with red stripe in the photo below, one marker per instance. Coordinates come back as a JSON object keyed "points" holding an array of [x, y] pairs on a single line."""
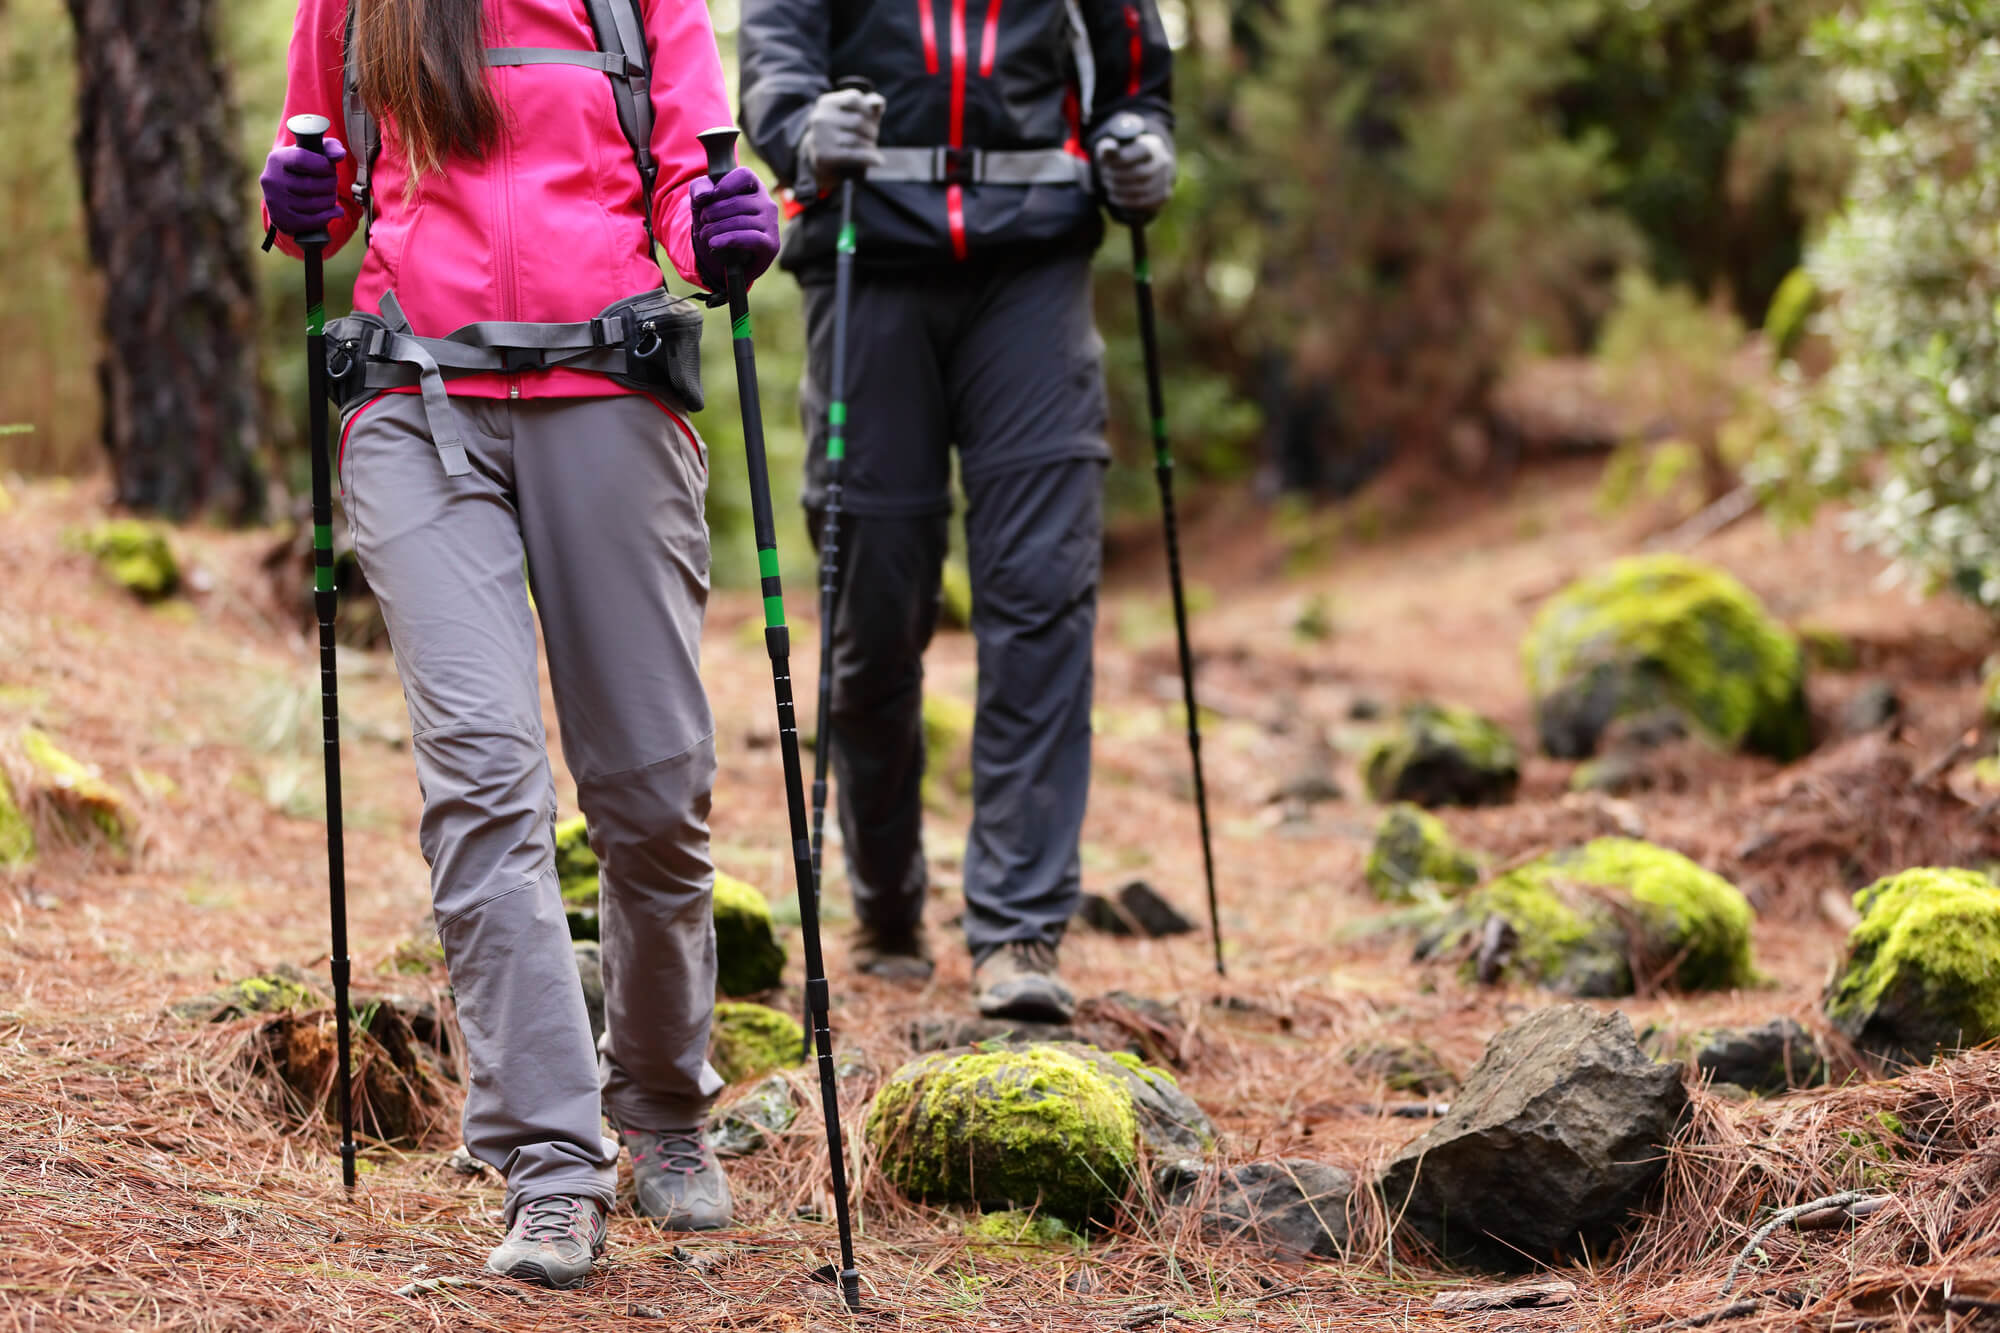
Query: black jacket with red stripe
{"points": [[966, 74]]}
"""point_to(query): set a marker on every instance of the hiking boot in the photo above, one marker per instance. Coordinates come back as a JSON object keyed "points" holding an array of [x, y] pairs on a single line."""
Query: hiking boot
{"points": [[552, 1241], [677, 1181], [1018, 980], [901, 958]]}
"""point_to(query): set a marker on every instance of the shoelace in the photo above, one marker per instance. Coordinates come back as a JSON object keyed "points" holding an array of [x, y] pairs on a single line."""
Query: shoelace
{"points": [[552, 1217], [681, 1151], [1035, 955]]}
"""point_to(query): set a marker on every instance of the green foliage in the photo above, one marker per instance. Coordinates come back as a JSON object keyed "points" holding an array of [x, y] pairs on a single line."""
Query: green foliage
{"points": [[133, 554], [87, 809], [948, 723], [17, 834], [1413, 848], [1910, 413], [1663, 631], [1440, 755]]}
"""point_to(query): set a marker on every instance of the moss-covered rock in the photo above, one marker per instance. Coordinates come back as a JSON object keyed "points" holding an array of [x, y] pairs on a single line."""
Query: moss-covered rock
{"points": [[1436, 755], [747, 1124], [748, 958], [1922, 970], [748, 1041], [1582, 920], [1015, 1233], [1034, 1127], [17, 834], [1413, 848], [87, 809], [576, 871], [284, 989], [1664, 631], [947, 748], [134, 555]]}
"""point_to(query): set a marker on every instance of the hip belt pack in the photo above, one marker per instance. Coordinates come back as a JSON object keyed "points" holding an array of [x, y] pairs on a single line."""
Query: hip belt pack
{"points": [[650, 342]]}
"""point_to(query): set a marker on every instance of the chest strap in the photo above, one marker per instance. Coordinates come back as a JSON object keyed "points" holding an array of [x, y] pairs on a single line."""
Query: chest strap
{"points": [[979, 166]]}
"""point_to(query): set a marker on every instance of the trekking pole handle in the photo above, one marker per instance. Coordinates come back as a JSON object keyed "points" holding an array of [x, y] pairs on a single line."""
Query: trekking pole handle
{"points": [[1125, 127], [310, 132], [720, 144]]}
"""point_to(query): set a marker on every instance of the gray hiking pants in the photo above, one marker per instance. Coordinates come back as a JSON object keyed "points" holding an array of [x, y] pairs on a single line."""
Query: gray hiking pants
{"points": [[601, 498], [1004, 362]]}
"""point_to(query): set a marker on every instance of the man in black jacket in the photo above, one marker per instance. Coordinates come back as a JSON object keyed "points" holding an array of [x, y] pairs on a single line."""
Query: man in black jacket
{"points": [[970, 325]]}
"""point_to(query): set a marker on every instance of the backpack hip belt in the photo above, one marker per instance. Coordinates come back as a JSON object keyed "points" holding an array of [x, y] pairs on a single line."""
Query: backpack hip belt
{"points": [[980, 166], [650, 342]]}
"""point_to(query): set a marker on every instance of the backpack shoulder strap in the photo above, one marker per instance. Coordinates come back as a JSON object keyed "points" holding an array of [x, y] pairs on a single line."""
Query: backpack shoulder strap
{"points": [[364, 136], [621, 32]]}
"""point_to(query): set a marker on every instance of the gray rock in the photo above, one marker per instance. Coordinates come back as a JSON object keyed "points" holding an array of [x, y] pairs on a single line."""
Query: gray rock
{"points": [[1776, 1057], [1874, 706], [746, 1125], [1288, 1209], [1170, 1124], [1557, 1134], [590, 970], [1136, 909], [944, 1032]]}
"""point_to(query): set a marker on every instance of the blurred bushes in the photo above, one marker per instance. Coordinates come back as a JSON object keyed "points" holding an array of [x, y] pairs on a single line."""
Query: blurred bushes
{"points": [[1908, 418]]}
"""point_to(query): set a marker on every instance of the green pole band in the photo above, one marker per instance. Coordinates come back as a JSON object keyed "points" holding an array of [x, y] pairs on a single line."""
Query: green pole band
{"points": [[774, 612], [741, 328], [1143, 271], [323, 579], [836, 449], [767, 561], [836, 414], [315, 321], [1164, 457], [846, 242], [323, 536], [1160, 429]]}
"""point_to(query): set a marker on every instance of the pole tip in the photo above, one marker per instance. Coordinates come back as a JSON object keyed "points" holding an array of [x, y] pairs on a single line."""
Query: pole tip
{"points": [[720, 144]]}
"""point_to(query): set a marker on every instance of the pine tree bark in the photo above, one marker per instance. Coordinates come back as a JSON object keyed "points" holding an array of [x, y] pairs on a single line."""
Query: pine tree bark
{"points": [[164, 202]]}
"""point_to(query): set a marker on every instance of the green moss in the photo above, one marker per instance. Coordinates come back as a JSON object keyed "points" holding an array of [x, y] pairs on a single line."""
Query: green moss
{"points": [[748, 1041], [1662, 630], [89, 810], [576, 872], [1581, 916], [134, 555], [1019, 1234], [1023, 1126], [1437, 755], [948, 725], [1922, 969], [1828, 649], [17, 835], [748, 958], [274, 992], [1151, 1073], [1412, 848]]}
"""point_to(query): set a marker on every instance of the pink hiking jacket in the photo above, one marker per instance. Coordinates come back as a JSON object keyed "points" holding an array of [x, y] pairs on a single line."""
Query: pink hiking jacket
{"points": [[545, 229]]}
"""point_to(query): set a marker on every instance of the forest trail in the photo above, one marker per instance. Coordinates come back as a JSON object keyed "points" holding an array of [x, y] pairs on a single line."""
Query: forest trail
{"points": [[151, 1183]]}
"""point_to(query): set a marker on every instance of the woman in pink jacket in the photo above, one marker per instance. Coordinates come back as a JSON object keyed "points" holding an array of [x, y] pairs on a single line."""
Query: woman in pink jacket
{"points": [[508, 207]]}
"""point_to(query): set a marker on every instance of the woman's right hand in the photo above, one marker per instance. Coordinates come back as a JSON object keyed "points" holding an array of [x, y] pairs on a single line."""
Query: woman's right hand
{"points": [[301, 187]]}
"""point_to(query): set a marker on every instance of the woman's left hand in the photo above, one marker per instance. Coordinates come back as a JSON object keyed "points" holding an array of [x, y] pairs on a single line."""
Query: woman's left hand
{"points": [[735, 222]]}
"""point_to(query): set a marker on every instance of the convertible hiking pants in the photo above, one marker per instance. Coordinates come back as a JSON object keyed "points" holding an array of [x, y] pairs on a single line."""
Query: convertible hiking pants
{"points": [[602, 499], [1006, 364]]}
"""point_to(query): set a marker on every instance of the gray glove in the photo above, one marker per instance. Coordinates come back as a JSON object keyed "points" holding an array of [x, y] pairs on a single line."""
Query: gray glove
{"points": [[841, 130], [1138, 175]]}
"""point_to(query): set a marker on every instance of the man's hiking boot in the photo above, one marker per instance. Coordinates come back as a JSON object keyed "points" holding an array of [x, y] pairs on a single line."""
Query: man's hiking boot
{"points": [[553, 1240], [1019, 980], [901, 958], [677, 1181]]}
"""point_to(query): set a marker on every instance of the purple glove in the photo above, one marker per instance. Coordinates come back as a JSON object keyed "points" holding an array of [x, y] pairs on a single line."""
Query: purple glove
{"points": [[735, 222], [301, 189]]}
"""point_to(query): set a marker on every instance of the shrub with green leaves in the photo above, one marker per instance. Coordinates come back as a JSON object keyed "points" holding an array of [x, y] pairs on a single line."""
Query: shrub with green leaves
{"points": [[1910, 413]]}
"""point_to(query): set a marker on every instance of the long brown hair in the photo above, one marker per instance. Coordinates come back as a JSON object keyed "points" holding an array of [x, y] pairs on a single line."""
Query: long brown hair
{"points": [[423, 65]]}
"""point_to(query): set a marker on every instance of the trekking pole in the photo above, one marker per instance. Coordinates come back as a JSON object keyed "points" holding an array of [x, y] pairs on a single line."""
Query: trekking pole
{"points": [[310, 132], [1125, 127], [829, 536], [721, 147]]}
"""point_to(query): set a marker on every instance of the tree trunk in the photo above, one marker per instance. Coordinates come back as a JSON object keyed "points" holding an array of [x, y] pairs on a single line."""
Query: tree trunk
{"points": [[164, 201]]}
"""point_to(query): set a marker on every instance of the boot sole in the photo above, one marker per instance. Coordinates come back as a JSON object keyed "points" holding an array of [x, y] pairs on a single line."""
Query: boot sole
{"points": [[1033, 1006], [527, 1270]]}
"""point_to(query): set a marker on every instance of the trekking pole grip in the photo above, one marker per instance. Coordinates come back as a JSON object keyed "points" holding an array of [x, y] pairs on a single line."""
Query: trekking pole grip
{"points": [[310, 132], [720, 145]]}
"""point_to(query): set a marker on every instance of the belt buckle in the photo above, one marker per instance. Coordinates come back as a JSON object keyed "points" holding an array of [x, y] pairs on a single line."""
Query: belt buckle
{"points": [[958, 166], [515, 359]]}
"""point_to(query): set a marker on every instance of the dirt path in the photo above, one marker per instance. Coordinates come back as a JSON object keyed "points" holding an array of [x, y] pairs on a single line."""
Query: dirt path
{"points": [[149, 1184]]}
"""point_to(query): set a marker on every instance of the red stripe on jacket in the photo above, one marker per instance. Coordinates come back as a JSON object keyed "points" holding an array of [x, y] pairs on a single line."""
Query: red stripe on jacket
{"points": [[927, 20], [1134, 26], [989, 39], [954, 195]]}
